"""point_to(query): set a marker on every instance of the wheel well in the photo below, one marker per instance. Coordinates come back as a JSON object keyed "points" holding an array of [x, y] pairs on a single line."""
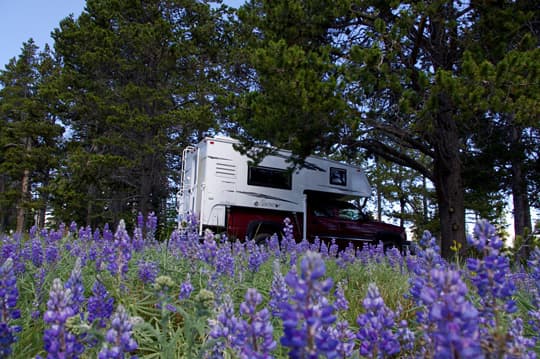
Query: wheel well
{"points": [[259, 227], [389, 239]]}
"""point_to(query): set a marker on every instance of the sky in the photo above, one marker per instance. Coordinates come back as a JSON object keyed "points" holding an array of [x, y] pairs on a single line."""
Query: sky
{"points": [[21, 20]]}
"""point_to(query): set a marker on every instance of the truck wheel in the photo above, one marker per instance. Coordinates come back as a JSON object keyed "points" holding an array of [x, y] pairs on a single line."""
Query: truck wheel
{"points": [[389, 240], [260, 230], [261, 238]]}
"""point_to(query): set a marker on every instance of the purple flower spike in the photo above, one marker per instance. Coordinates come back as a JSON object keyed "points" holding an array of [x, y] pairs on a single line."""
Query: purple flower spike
{"points": [[186, 288], [118, 340], [148, 271], [279, 293], [76, 285], [60, 343], [375, 327], [257, 332], [226, 326], [100, 305], [449, 320], [345, 337], [307, 315], [9, 294]]}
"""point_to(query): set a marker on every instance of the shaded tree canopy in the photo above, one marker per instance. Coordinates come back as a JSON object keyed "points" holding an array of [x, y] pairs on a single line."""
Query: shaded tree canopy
{"points": [[444, 88]]}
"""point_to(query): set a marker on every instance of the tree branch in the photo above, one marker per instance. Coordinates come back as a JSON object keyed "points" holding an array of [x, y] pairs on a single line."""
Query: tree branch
{"points": [[394, 156]]}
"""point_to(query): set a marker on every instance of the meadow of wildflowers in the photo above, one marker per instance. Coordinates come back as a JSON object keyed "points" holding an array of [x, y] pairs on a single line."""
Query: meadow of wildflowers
{"points": [[77, 292]]}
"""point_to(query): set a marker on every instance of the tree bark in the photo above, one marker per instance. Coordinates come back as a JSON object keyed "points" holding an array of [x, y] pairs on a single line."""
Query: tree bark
{"points": [[448, 181], [522, 212], [25, 185], [21, 210]]}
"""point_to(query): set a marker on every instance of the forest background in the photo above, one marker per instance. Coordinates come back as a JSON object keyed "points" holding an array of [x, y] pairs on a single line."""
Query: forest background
{"points": [[438, 100]]}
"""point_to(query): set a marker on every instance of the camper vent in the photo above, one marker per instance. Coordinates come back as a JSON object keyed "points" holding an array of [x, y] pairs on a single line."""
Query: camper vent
{"points": [[225, 170]]}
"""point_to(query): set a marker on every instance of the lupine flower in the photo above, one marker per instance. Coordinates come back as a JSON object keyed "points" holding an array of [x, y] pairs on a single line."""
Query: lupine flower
{"points": [[450, 321], [138, 236], [347, 256], [376, 327], [9, 295], [308, 314], [209, 248], [273, 244], [345, 337], [163, 286], [279, 293], [75, 283], [225, 261], [518, 346], [255, 257], [490, 275], [334, 249], [38, 293], [118, 340], [151, 226], [37, 252], [147, 271], [341, 302], [225, 327], [186, 288], [100, 304], [60, 343], [256, 332], [119, 251], [288, 243]]}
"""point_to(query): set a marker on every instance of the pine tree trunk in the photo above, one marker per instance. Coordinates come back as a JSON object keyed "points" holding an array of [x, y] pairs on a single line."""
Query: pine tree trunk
{"points": [[25, 186], [21, 210], [448, 181], [3, 211], [522, 212]]}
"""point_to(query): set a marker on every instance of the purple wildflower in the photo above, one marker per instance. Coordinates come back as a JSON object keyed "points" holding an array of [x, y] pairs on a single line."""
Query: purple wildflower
{"points": [[490, 275], [147, 271], [209, 248], [9, 294], [119, 251], [151, 226], [186, 288], [375, 327], [308, 314], [118, 340], [225, 327], [256, 331], [345, 337], [255, 256], [334, 249], [37, 252], [519, 347], [450, 321], [75, 283], [341, 302], [225, 261], [279, 293], [100, 304], [60, 343]]}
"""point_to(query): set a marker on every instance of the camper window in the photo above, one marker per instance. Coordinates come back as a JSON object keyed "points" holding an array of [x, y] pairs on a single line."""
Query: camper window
{"points": [[338, 176], [269, 177]]}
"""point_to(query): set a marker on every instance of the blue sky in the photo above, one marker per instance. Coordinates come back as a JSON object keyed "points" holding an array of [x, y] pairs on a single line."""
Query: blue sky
{"points": [[21, 20]]}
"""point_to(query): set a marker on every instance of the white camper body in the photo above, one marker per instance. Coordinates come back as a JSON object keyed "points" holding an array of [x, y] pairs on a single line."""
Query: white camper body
{"points": [[216, 177]]}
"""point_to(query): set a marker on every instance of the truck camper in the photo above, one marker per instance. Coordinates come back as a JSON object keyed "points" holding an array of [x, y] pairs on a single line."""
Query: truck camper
{"points": [[229, 193]]}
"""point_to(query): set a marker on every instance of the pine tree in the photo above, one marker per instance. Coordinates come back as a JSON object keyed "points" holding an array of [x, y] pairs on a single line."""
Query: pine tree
{"points": [[138, 82], [29, 138]]}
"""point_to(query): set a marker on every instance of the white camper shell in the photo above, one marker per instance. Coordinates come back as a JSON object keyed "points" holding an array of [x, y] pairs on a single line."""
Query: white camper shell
{"points": [[215, 177]]}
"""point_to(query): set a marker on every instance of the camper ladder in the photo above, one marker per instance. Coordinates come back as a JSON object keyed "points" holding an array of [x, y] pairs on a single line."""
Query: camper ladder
{"points": [[185, 186]]}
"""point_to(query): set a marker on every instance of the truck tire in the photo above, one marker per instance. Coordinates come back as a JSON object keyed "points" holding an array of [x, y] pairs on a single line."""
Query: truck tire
{"points": [[260, 230], [389, 240], [261, 238]]}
